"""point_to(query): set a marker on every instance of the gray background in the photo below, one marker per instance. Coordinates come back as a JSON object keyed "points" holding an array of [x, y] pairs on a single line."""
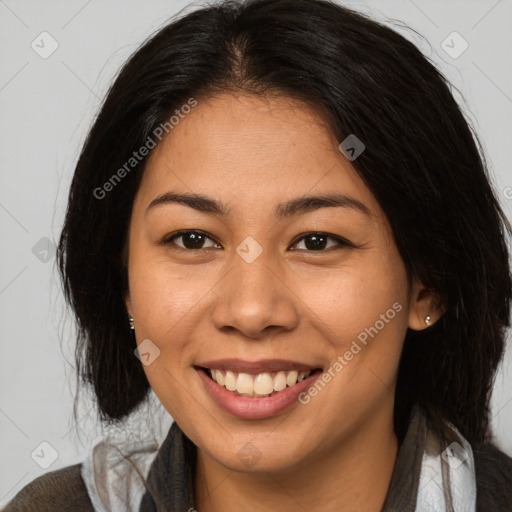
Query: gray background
{"points": [[47, 105]]}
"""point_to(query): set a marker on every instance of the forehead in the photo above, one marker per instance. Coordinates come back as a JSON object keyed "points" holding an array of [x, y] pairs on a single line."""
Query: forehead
{"points": [[253, 151]]}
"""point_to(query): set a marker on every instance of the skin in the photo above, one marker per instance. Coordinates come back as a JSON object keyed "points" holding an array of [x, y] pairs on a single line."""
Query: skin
{"points": [[336, 452]]}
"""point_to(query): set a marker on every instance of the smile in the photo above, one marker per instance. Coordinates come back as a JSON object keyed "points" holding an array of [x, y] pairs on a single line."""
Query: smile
{"points": [[257, 385], [256, 390]]}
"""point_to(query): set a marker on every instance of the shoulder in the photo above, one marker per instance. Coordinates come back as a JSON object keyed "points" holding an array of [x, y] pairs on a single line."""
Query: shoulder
{"points": [[493, 470], [57, 491]]}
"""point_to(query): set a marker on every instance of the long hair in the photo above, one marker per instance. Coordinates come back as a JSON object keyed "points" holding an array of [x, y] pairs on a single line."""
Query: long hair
{"points": [[422, 162]]}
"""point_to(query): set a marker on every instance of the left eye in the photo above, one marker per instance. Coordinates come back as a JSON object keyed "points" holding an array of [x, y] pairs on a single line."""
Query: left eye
{"points": [[193, 240], [318, 241]]}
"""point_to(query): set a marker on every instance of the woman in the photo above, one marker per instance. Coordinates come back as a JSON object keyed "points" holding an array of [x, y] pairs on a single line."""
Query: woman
{"points": [[281, 212]]}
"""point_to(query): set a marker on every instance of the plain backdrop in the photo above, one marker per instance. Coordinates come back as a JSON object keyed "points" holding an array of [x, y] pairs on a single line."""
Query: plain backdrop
{"points": [[47, 103]]}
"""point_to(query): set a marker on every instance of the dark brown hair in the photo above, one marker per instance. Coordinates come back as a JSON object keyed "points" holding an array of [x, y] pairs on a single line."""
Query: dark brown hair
{"points": [[422, 162]]}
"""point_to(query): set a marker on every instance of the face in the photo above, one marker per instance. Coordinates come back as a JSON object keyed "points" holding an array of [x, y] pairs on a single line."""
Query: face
{"points": [[256, 283]]}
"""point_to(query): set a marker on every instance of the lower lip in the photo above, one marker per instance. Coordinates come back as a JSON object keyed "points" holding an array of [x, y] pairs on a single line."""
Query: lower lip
{"points": [[256, 408]]}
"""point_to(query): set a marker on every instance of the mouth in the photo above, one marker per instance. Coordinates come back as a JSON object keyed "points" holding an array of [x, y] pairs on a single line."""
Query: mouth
{"points": [[257, 385]]}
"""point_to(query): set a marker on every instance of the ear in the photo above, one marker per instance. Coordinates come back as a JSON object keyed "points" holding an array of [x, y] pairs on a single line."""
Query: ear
{"points": [[424, 303], [128, 302]]}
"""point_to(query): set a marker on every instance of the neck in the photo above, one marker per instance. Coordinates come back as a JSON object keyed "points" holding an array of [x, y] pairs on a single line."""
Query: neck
{"points": [[353, 475]]}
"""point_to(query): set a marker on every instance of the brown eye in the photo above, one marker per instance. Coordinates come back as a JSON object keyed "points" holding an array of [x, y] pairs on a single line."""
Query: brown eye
{"points": [[191, 240], [319, 241]]}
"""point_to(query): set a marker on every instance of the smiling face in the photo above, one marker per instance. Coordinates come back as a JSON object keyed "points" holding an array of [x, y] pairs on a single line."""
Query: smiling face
{"points": [[259, 276]]}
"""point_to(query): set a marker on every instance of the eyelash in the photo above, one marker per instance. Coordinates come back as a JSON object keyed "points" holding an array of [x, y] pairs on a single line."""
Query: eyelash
{"points": [[341, 242]]}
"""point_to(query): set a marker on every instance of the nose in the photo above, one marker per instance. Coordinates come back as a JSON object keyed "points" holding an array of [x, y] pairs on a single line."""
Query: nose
{"points": [[254, 299]]}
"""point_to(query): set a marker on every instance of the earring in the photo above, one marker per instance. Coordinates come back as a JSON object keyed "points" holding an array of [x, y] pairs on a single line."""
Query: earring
{"points": [[130, 320], [427, 320]]}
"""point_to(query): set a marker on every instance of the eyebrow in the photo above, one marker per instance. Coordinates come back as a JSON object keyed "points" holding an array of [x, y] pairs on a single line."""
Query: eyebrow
{"points": [[299, 205]]}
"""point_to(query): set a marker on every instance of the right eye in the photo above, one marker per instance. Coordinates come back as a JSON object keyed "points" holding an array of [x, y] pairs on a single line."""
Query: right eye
{"points": [[191, 239]]}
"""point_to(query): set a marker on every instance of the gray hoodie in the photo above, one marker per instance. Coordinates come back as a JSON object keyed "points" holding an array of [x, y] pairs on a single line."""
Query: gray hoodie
{"points": [[428, 476]]}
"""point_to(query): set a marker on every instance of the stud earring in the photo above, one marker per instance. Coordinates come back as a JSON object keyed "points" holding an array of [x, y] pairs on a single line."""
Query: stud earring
{"points": [[427, 320], [130, 320]]}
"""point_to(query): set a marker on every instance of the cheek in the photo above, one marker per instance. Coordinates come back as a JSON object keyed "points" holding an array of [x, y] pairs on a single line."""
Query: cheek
{"points": [[167, 307], [355, 298], [169, 303], [165, 294], [362, 312]]}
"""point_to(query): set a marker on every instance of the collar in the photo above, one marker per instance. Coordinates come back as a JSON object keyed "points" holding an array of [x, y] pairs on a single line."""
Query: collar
{"points": [[433, 471]]}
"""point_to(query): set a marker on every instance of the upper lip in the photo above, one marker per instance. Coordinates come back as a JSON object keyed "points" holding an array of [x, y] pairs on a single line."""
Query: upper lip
{"points": [[259, 366]]}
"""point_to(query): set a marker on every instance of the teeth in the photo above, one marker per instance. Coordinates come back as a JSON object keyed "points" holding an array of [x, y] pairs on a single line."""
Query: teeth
{"points": [[262, 384], [230, 381], [291, 378], [218, 377], [279, 381], [244, 383], [302, 376]]}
